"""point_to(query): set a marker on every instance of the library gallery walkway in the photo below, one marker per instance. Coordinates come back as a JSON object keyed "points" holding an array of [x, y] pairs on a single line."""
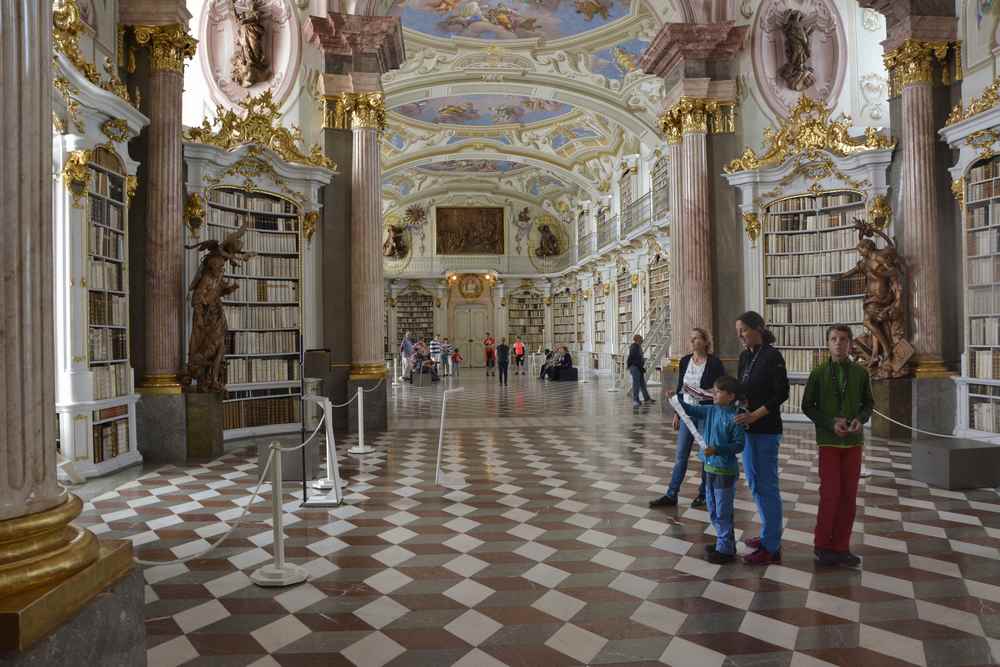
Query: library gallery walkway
{"points": [[548, 554]]}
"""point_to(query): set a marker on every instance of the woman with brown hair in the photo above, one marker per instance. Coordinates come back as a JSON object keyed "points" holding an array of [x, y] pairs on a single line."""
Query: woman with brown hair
{"points": [[696, 375]]}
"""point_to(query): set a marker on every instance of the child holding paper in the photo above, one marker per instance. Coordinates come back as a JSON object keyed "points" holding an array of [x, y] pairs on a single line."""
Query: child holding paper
{"points": [[723, 440], [838, 400]]}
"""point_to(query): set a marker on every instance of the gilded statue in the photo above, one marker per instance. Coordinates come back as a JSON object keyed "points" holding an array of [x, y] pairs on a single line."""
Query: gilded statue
{"points": [[548, 243], [207, 346], [797, 29], [394, 246], [884, 349], [250, 64]]}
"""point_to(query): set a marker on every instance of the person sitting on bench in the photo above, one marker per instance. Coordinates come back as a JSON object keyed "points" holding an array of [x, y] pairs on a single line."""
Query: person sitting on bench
{"points": [[549, 354], [562, 360]]}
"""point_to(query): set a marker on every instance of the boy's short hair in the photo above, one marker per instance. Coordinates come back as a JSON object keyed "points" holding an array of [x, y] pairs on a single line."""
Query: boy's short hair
{"points": [[843, 328], [729, 384]]}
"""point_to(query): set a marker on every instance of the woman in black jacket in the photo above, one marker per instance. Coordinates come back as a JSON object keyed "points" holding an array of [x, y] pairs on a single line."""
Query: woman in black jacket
{"points": [[698, 370], [765, 387]]}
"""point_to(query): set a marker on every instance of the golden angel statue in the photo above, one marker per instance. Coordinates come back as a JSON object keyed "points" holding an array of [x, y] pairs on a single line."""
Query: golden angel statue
{"points": [[207, 345]]}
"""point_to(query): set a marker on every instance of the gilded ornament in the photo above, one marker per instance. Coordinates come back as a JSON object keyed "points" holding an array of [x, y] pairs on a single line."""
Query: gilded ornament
{"points": [[57, 124], [67, 25], [115, 129], [131, 185], [548, 301], [983, 141], [958, 190], [309, 222], [879, 213], [698, 115], [635, 280], [912, 62], [75, 175], [809, 131], [989, 99], [194, 213], [751, 225], [67, 90], [260, 125], [171, 45], [354, 111]]}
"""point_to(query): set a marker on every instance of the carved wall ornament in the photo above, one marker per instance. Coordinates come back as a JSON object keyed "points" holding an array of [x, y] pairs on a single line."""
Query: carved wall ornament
{"points": [[746, 9], [260, 124], [752, 226], [695, 114], [809, 132], [309, 223], [67, 90], [171, 45], [396, 245], [913, 62], [880, 213], [67, 26], [131, 185], [875, 93], [983, 141], [352, 111], [799, 46], [115, 129], [75, 175], [248, 47], [986, 101], [871, 20], [958, 190], [194, 213]]}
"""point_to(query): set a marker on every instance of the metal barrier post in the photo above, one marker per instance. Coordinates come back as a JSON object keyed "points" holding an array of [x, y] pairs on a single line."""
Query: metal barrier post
{"points": [[332, 480], [361, 448], [438, 477], [278, 573]]}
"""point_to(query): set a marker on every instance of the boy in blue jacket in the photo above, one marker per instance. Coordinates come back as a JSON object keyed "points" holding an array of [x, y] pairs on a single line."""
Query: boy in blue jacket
{"points": [[724, 438]]}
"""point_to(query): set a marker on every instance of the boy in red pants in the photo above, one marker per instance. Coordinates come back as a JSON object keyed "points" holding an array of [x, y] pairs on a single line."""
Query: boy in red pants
{"points": [[838, 400]]}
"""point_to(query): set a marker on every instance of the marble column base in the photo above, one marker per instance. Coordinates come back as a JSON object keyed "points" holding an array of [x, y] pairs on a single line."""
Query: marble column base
{"points": [[935, 405], [109, 630], [376, 406], [161, 427], [895, 399], [204, 426]]}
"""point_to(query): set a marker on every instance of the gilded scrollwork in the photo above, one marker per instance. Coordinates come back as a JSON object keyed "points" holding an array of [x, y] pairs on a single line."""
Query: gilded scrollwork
{"points": [[880, 213], [355, 111], [75, 175], [131, 185], [752, 226], [115, 129], [309, 223], [989, 99], [983, 141], [171, 45], [194, 213]]}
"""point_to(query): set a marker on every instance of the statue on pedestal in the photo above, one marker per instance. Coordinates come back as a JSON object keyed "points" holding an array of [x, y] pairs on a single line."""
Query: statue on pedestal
{"points": [[797, 72], [548, 243], [207, 346], [884, 349], [250, 64], [394, 246]]}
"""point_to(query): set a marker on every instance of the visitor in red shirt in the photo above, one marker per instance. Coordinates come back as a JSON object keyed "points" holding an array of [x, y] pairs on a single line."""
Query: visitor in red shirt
{"points": [[488, 344], [518, 356]]}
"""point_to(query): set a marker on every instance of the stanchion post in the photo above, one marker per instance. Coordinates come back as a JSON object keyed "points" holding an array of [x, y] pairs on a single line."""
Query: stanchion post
{"points": [[278, 573], [395, 376], [361, 448], [444, 407]]}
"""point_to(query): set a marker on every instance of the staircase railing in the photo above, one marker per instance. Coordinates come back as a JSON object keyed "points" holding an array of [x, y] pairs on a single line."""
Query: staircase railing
{"points": [[654, 327]]}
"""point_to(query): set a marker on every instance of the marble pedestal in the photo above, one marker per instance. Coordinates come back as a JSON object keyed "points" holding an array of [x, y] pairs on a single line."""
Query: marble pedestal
{"points": [[204, 426], [935, 405], [109, 630], [895, 399], [956, 464], [161, 426], [376, 406]]}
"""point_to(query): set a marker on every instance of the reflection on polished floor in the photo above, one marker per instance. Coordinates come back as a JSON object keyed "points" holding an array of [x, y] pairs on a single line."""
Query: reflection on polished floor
{"points": [[547, 554]]}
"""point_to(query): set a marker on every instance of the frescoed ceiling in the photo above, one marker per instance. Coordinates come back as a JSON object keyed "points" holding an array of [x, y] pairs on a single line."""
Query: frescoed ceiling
{"points": [[484, 110]]}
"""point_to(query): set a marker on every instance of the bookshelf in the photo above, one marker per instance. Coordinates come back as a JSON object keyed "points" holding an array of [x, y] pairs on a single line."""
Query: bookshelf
{"points": [[581, 319], [526, 318], [807, 241], [661, 187], [600, 324], [415, 313], [624, 311], [563, 319], [659, 283]]}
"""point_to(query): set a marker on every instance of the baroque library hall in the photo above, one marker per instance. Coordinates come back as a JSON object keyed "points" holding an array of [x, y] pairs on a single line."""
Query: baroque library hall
{"points": [[500, 332]]}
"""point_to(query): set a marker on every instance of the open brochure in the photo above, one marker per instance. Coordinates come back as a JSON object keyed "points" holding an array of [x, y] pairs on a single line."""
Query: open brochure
{"points": [[697, 393], [675, 403]]}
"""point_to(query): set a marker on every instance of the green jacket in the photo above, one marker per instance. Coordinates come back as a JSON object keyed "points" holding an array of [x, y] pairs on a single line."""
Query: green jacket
{"points": [[823, 401]]}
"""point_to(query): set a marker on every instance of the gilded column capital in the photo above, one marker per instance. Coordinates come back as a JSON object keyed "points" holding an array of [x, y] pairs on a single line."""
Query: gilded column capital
{"points": [[912, 62], [698, 115], [171, 45], [354, 111]]}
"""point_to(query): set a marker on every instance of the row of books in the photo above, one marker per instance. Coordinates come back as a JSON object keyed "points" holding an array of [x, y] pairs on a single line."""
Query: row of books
{"points": [[803, 361], [521, 321], [110, 381], [256, 242], [984, 331], [262, 317], [261, 342], [984, 301], [526, 312], [108, 309], [985, 416], [985, 171], [984, 242], [250, 202], [829, 262], [812, 288], [807, 222], [263, 412], [105, 184], [256, 221], [842, 239], [810, 203], [264, 291], [984, 270], [106, 275], [109, 413], [793, 405], [806, 335], [107, 344], [830, 312], [983, 191], [110, 440], [979, 217], [106, 243], [264, 266], [985, 364], [245, 371], [106, 213]]}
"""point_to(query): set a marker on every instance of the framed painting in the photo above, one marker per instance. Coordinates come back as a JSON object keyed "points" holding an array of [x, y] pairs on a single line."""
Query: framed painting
{"points": [[468, 230]]}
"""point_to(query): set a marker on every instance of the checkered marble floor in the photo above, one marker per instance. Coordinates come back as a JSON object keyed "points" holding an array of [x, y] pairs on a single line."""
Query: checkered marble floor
{"points": [[544, 552]]}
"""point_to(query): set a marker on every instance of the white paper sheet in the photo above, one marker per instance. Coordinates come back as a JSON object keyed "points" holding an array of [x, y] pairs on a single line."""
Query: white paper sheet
{"points": [[676, 404]]}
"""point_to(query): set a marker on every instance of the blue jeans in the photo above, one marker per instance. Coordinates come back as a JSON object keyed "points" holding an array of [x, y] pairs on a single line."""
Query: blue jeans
{"points": [[638, 383], [684, 442], [720, 491], [760, 462]]}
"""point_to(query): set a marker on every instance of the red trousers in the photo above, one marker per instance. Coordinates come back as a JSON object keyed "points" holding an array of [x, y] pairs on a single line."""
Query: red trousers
{"points": [[839, 471]]}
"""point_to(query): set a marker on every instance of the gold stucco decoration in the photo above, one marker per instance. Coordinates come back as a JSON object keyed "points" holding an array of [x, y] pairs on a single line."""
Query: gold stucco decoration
{"points": [[355, 111], [913, 60], [131, 185], [983, 141], [115, 129], [309, 222], [171, 45], [194, 213], [67, 25], [809, 131], [880, 213], [985, 102], [75, 175], [958, 190], [261, 125], [698, 115], [752, 226]]}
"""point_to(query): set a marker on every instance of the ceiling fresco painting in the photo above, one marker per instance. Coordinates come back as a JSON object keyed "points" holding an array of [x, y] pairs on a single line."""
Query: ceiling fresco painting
{"points": [[620, 60], [473, 166], [508, 19], [483, 110]]}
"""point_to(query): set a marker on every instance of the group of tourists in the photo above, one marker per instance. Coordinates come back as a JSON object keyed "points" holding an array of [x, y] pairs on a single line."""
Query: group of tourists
{"points": [[436, 357], [744, 415]]}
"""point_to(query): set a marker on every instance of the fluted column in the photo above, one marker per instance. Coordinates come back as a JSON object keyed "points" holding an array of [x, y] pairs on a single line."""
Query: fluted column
{"points": [[694, 238], [678, 336], [164, 281], [367, 289]]}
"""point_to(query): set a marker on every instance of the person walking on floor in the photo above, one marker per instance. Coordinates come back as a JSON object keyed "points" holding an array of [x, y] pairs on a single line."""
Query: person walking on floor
{"points": [[518, 356], [724, 439], [636, 366], [838, 400], [696, 375], [446, 349], [435, 349], [503, 360], [764, 379], [406, 353], [456, 362], [488, 344]]}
